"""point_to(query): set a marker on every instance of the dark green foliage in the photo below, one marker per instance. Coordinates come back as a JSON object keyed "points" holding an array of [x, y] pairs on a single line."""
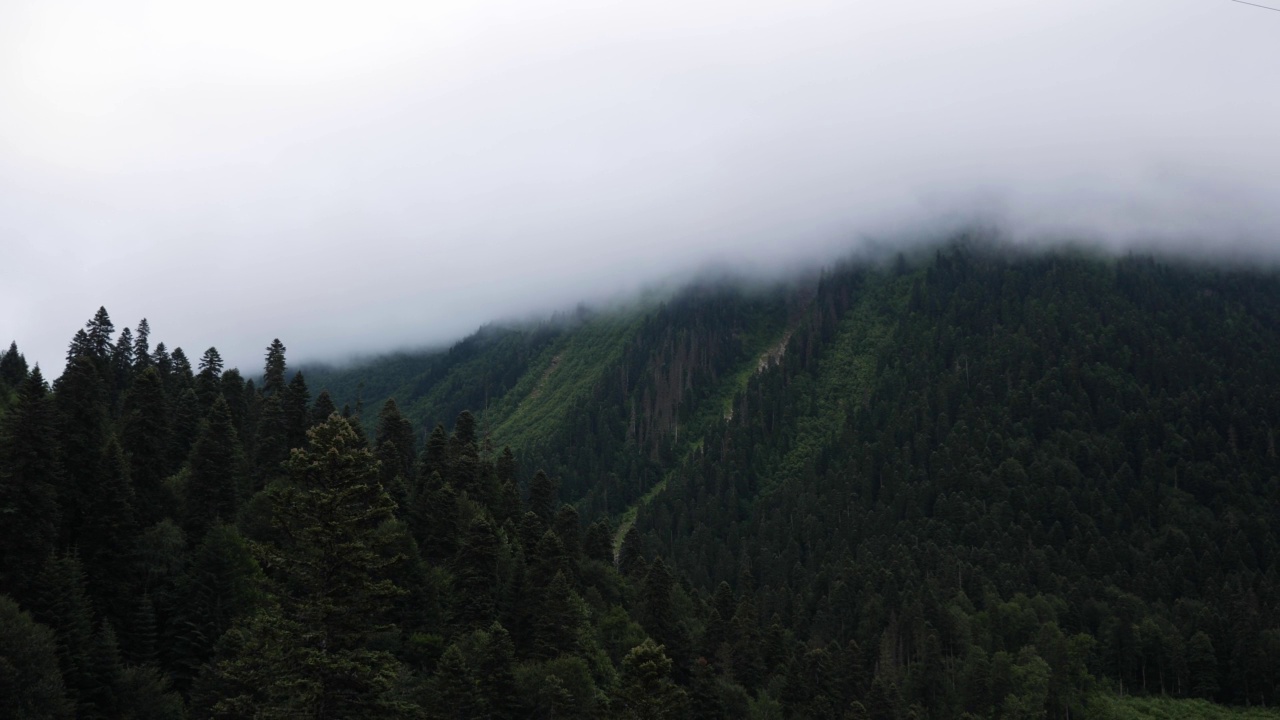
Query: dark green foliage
{"points": [[30, 477], [60, 602], [144, 435], [969, 485], [475, 576], [316, 654], [273, 378], [13, 366], [645, 689], [30, 680], [214, 484], [542, 497]]}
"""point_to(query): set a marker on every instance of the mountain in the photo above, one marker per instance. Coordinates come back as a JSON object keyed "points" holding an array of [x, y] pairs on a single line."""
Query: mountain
{"points": [[947, 459], [967, 482]]}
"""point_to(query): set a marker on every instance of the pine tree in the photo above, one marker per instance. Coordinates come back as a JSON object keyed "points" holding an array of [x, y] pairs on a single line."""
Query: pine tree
{"points": [[98, 336], [542, 497], [630, 561], [273, 382], [559, 620], [455, 690], [108, 527], [142, 347], [145, 436], [60, 602], [646, 691], [216, 467], [1202, 666], [122, 361], [393, 441], [495, 670], [30, 680], [329, 577], [222, 584], [13, 366], [81, 401], [30, 475], [321, 409], [475, 576], [294, 406], [434, 458], [208, 381]]}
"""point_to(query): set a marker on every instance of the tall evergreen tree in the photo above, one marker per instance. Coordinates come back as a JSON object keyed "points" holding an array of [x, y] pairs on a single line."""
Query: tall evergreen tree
{"points": [[81, 400], [30, 476], [646, 690], [475, 576], [145, 436], [13, 366], [216, 472], [273, 378], [142, 347], [30, 680], [329, 577]]}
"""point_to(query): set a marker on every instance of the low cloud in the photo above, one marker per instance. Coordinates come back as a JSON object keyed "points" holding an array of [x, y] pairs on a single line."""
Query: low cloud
{"points": [[361, 176]]}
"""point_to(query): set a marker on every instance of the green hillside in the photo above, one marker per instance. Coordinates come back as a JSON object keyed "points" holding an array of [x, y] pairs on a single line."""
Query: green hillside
{"points": [[969, 482]]}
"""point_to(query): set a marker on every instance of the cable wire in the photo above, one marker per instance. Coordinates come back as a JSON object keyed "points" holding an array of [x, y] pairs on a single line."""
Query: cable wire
{"points": [[1264, 7]]}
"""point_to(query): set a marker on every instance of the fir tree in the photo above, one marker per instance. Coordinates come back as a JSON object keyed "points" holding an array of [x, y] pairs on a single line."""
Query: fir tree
{"points": [[216, 467], [142, 347], [475, 576], [30, 475], [329, 577], [321, 409], [646, 690], [13, 366], [273, 378], [30, 680], [60, 602], [145, 438], [542, 497]]}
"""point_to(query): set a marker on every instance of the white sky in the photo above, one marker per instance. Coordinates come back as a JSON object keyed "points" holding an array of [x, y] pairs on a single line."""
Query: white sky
{"points": [[365, 175]]}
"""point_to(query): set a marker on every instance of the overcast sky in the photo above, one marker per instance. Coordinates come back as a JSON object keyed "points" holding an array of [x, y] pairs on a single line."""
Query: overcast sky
{"points": [[366, 175]]}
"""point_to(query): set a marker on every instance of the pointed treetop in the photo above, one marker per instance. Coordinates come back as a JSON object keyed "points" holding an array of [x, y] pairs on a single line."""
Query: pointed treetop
{"points": [[211, 363], [273, 373]]}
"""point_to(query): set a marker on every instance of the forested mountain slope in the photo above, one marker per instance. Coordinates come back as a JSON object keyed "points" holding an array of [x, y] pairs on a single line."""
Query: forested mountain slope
{"points": [[1007, 485]]}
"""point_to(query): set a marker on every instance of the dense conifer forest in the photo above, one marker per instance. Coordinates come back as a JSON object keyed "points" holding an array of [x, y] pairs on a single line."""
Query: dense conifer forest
{"points": [[966, 484]]}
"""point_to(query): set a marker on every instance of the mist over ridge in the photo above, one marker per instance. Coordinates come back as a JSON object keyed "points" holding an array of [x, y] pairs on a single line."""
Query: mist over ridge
{"points": [[396, 175]]}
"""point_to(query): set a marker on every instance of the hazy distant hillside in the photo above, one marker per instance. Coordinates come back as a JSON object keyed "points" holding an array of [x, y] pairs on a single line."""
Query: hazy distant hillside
{"points": [[953, 461]]}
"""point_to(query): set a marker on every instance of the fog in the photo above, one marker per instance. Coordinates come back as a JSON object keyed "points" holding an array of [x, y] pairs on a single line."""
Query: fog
{"points": [[352, 177]]}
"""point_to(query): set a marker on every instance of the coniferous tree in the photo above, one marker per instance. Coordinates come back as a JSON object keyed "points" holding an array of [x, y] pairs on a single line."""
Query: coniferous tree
{"points": [[646, 690], [81, 401], [60, 602], [542, 497], [475, 576], [145, 437], [30, 476], [208, 381], [294, 405], [216, 469], [329, 578], [142, 347], [273, 378], [13, 366], [30, 679], [109, 527], [321, 409], [393, 442], [98, 333]]}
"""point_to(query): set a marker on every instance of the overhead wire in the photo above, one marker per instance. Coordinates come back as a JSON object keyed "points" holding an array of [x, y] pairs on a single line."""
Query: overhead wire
{"points": [[1264, 7]]}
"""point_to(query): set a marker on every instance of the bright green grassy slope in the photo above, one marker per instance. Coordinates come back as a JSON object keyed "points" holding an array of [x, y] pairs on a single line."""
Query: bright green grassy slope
{"points": [[561, 376], [764, 338], [1111, 707]]}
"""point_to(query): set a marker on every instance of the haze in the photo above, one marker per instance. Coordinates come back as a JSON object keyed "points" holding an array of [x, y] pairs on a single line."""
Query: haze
{"points": [[352, 177]]}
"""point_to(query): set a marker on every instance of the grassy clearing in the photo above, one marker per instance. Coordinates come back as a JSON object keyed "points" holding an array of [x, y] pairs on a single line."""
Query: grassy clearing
{"points": [[1112, 707], [563, 374]]}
